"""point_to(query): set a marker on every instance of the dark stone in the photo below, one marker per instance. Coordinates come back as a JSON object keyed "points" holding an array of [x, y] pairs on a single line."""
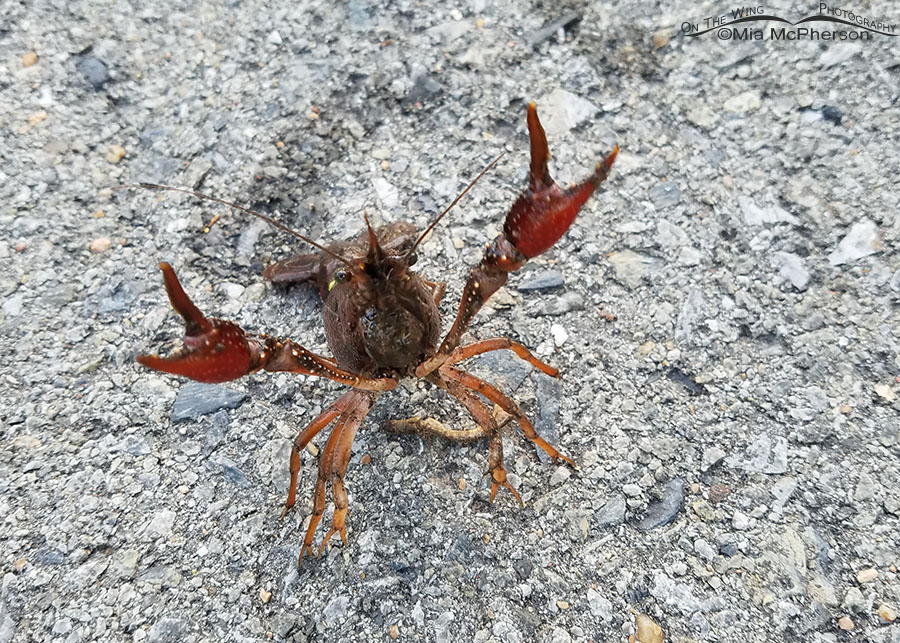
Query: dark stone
{"points": [[95, 71], [423, 90], [230, 471], [548, 30], [196, 399], [548, 391], [832, 114], [215, 434], [663, 511], [728, 549], [680, 377], [49, 557], [543, 280], [523, 568]]}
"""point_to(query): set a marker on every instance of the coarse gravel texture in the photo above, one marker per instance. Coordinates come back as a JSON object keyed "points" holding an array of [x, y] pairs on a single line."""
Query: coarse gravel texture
{"points": [[725, 313]]}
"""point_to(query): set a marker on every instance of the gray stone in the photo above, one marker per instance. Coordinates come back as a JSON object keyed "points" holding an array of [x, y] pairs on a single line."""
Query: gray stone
{"points": [[743, 102], [711, 457], [169, 629], [229, 470], [763, 455], [162, 523], [861, 241], [599, 605], [664, 195], [630, 267], [195, 399], [839, 53], [442, 632], [543, 280], [791, 268], [563, 111], [854, 601], [135, 445], [94, 70], [612, 513], [754, 215], [677, 596], [689, 316], [782, 490], [740, 521], [336, 610], [865, 488], [561, 305]]}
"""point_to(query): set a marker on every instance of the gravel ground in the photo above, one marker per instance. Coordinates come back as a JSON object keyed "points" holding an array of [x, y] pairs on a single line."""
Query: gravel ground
{"points": [[725, 313]]}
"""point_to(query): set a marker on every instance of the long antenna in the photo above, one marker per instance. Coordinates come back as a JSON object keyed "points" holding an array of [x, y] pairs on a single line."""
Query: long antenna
{"points": [[259, 215], [455, 201]]}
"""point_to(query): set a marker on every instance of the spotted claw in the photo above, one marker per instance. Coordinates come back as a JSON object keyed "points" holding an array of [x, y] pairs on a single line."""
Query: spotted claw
{"points": [[215, 350], [544, 211]]}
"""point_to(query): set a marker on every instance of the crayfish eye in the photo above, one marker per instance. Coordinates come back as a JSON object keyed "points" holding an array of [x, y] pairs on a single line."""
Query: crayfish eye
{"points": [[412, 259], [340, 275]]}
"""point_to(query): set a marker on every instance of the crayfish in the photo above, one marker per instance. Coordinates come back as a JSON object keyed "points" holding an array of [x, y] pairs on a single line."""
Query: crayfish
{"points": [[382, 324]]}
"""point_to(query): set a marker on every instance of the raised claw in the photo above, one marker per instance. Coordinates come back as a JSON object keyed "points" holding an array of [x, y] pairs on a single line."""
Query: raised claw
{"points": [[215, 350], [536, 220], [543, 212]]}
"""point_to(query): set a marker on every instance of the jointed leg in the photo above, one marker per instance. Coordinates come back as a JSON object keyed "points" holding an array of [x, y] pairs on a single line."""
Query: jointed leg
{"points": [[325, 457], [340, 460], [333, 461], [496, 344], [307, 434], [499, 398], [430, 426], [487, 423], [437, 290]]}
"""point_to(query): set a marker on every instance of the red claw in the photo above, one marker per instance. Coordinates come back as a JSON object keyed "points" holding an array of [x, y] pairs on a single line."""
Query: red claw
{"points": [[214, 350], [543, 213]]}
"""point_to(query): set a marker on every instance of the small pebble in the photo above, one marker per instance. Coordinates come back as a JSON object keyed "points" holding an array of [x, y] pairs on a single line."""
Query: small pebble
{"points": [[37, 117], [366, 459], [29, 59], [559, 334], [866, 576], [845, 623], [264, 594], [885, 392], [115, 153], [395, 632], [563, 605], [660, 39], [887, 613], [462, 484], [647, 630], [645, 348], [101, 244], [740, 521]]}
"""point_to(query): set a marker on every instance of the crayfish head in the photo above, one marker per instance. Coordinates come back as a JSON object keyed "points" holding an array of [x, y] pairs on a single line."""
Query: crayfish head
{"points": [[380, 313]]}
